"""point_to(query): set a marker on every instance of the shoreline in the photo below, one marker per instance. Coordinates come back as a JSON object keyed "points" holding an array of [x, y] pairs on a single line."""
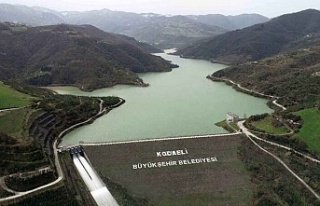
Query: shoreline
{"points": [[238, 87]]}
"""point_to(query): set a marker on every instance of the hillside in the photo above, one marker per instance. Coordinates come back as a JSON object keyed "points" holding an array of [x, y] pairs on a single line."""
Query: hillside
{"points": [[83, 56], [294, 76], [28, 15], [173, 32], [12, 98], [144, 46], [287, 32], [230, 22], [160, 31]]}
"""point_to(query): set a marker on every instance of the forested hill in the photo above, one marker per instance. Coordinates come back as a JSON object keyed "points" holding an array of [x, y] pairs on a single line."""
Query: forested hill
{"points": [[161, 31], [83, 56], [287, 32], [294, 76], [230, 22]]}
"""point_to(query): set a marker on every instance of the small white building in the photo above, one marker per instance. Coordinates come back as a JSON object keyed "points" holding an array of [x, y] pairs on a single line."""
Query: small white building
{"points": [[231, 117]]}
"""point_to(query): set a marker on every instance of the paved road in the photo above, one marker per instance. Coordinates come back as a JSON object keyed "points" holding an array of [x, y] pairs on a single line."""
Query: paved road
{"points": [[258, 93], [11, 109], [251, 136], [60, 178], [279, 105], [5, 187], [57, 163], [155, 140], [246, 131]]}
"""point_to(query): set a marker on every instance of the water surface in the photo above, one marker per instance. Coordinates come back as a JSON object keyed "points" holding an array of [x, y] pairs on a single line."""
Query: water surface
{"points": [[177, 103]]}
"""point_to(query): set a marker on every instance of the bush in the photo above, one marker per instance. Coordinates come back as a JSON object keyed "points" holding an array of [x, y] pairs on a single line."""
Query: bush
{"points": [[257, 117]]}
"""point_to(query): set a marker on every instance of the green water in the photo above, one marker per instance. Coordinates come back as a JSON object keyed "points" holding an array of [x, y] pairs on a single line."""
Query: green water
{"points": [[177, 103]]}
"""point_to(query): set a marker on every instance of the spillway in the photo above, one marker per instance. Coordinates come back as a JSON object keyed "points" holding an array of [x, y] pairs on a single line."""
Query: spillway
{"points": [[96, 186]]}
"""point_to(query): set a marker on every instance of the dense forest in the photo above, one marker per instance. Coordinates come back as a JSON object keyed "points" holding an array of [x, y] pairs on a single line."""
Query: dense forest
{"points": [[293, 76], [284, 33], [81, 56]]}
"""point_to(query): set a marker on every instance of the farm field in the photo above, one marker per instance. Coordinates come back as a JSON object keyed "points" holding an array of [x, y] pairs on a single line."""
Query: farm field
{"points": [[311, 128], [14, 122], [267, 126], [12, 98], [220, 181]]}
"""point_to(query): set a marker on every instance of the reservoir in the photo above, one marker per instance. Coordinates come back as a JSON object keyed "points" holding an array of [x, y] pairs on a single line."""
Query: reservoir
{"points": [[178, 103]]}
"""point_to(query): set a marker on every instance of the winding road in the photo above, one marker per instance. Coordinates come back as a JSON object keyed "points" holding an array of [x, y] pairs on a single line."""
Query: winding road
{"points": [[102, 110], [251, 136], [57, 163], [11, 109], [252, 91]]}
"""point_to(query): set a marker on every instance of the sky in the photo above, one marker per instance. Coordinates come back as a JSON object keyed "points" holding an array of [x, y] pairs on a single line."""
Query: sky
{"points": [[269, 8]]}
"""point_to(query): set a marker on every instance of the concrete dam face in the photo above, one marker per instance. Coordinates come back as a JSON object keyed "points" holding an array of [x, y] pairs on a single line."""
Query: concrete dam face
{"points": [[96, 186]]}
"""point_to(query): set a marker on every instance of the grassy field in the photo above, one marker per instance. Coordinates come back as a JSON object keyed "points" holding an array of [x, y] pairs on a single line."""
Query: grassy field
{"points": [[13, 122], [12, 98], [310, 131], [222, 182], [231, 126], [266, 125]]}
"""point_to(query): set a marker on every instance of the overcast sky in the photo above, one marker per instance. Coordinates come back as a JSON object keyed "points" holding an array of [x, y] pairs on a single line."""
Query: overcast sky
{"points": [[269, 8]]}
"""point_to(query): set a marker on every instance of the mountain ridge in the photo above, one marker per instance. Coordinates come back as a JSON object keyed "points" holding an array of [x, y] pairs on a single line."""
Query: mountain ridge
{"points": [[260, 40], [159, 30], [230, 22]]}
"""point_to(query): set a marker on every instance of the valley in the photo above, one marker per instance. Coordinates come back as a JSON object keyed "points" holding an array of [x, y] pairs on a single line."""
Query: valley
{"points": [[181, 102], [161, 31], [90, 116]]}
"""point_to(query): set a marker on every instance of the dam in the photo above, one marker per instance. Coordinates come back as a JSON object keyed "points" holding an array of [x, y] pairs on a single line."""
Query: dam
{"points": [[96, 186]]}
